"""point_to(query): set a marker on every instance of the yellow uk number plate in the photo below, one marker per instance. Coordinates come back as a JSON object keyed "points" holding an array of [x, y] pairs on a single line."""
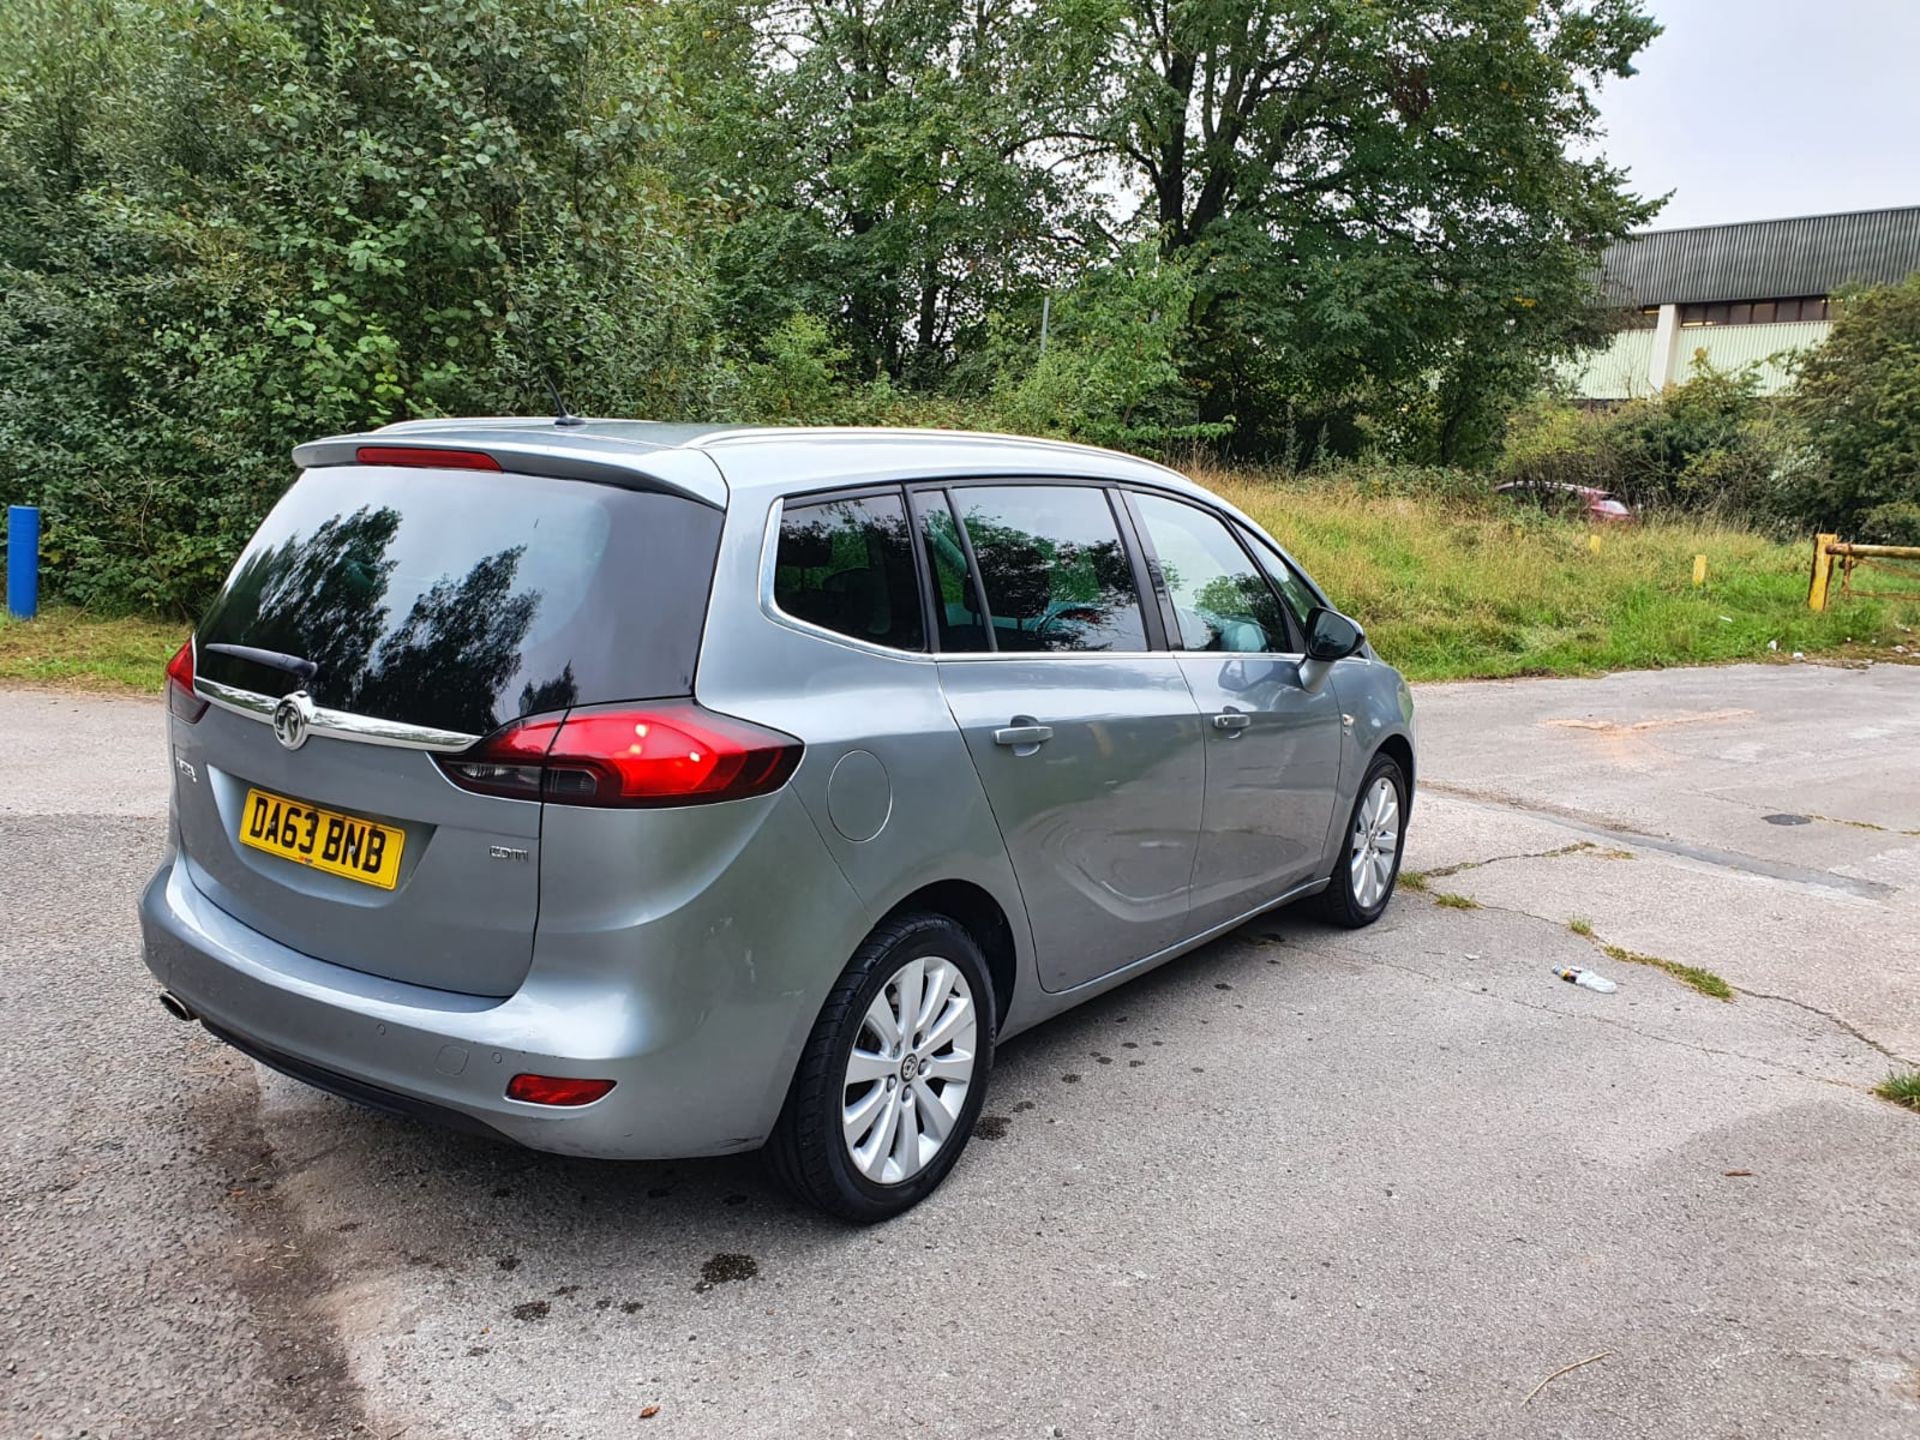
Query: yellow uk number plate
{"points": [[324, 839]]}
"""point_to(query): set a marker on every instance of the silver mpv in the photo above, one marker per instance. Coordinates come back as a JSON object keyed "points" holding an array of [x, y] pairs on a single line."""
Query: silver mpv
{"points": [[638, 790]]}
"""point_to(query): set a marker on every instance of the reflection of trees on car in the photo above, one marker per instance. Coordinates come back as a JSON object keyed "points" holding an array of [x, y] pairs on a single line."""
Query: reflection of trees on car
{"points": [[460, 642], [1224, 600], [556, 694], [847, 565], [323, 596], [1242, 600], [320, 596], [1057, 594]]}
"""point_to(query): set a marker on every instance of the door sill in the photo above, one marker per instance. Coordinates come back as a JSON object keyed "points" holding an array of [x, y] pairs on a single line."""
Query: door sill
{"points": [[1194, 942]]}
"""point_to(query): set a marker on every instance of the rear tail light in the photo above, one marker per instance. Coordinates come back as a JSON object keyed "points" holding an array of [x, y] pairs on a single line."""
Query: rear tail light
{"points": [[672, 752], [556, 1090], [421, 455], [180, 697]]}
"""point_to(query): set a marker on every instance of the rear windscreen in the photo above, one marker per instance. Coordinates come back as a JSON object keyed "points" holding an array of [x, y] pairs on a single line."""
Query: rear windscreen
{"points": [[464, 599]]}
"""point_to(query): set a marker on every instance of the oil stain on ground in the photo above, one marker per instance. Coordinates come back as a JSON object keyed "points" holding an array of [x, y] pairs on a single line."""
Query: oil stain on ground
{"points": [[991, 1127], [726, 1267]]}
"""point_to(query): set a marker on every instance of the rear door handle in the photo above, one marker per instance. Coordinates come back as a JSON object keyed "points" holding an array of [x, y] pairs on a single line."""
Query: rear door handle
{"points": [[1024, 738], [1231, 721]]}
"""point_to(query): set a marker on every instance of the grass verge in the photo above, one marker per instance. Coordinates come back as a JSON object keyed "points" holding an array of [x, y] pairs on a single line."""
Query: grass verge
{"points": [[1902, 1089], [1451, 589], [1448, 588], [75, 650]]}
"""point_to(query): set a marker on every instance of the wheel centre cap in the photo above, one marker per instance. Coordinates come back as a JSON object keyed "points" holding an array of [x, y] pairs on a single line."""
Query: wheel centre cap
{"points": [[909, 1067]]}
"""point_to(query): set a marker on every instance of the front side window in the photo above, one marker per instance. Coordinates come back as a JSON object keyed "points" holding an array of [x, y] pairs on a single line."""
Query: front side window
{"points": [[1056, 575], [1297, 595], [1221, 600], [846, 565]]}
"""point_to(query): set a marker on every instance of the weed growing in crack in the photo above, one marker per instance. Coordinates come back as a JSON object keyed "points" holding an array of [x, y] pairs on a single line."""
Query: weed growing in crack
{"points": [[1901, 1089], [1456, 902], [1581, 927], [1705, 981]]}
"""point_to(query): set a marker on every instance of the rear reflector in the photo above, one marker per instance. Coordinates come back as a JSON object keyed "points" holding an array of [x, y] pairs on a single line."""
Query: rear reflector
{"points": [[556, 1090], [180, 697], [670, 752], [419, 455]]}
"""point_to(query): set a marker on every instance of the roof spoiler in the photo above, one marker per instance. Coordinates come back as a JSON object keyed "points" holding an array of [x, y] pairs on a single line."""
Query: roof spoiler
{"points": [[602, 461]]}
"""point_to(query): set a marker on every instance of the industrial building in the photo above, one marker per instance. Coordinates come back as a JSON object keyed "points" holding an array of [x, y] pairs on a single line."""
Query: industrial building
{"points": [[1742, 294]]}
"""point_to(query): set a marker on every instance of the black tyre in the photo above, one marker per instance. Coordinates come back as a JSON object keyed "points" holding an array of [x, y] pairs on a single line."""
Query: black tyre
{"points": [[893, 1076], [1369, 863]]}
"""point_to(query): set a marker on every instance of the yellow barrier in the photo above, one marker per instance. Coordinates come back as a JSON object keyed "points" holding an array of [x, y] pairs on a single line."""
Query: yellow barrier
{"points": [[1828, 548]]}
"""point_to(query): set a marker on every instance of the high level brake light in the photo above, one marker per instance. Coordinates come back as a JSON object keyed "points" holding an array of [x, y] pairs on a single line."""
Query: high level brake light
{"points": [[181, 699], [668, 752], [421, 455]]}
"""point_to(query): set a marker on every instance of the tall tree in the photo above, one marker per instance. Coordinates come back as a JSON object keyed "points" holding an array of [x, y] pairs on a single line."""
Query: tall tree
{"points": [[877, 156], [1377, 190]]}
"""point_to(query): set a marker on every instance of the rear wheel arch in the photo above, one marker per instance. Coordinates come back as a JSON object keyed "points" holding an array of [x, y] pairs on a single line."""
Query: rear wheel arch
{"points": [[983, 917], [815, 1147]]}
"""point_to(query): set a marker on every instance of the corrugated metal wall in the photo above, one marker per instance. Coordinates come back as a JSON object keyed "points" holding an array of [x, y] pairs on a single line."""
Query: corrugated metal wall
{"points": [[1616, 371], [1734, 347], [1619, 369], [1764, 259]]}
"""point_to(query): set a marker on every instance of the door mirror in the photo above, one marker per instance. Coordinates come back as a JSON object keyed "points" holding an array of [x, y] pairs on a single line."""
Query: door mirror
{"points": [[1331, 635]]}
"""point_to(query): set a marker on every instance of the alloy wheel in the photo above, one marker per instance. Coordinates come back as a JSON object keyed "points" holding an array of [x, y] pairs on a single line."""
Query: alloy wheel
{"points": [[907, 1074], [1376, 843]]}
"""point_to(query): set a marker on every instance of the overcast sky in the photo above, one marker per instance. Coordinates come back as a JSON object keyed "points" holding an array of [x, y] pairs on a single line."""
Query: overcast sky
{"points": [[1753, 109]]}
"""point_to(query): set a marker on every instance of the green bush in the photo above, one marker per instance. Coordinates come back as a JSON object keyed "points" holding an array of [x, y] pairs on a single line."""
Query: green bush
{"points": [[227, 229], [1112, 370], [1710, 443], [1857, 399]]}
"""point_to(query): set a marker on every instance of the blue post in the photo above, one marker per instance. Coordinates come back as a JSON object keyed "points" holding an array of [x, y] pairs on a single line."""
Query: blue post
{"points": [[23, 561]]}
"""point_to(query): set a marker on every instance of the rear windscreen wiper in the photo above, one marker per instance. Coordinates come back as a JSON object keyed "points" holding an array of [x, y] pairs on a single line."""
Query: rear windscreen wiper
{"points": [[300, 668]]}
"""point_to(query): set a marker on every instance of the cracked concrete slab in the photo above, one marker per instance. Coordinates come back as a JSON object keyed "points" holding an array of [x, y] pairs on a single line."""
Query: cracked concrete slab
{"points": [[1305, 1181]]}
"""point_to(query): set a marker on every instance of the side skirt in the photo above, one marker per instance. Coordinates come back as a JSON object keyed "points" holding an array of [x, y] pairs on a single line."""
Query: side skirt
{"points": [[1043, 1005]]}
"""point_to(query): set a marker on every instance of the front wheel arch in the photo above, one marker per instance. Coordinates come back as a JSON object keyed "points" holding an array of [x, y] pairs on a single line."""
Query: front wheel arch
{"points": [[1401, 749]]}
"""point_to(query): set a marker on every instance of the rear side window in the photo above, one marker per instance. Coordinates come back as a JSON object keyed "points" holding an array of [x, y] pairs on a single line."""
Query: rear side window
{"points": [[1220, 598], [462, 600], [1055, 572], [847, 565]]}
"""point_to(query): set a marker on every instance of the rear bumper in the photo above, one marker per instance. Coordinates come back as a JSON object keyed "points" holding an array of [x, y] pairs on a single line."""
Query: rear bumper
{"points": [[348, 1088], [698, 1070]]}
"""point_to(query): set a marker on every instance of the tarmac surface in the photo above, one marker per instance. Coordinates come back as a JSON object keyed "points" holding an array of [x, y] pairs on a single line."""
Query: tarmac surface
{"points": [[1303, 1182]]}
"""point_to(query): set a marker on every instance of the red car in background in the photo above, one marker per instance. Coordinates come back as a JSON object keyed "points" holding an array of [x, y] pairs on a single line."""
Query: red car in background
{"points": [[1598, 507]]}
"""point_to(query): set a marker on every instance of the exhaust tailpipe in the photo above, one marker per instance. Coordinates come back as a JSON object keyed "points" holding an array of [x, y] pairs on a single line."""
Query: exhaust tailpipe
{"points": [[176, 1007]]}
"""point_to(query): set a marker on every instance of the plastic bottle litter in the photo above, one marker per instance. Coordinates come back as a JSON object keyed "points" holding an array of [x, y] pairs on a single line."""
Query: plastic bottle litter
{"points": [[1574, 975]]}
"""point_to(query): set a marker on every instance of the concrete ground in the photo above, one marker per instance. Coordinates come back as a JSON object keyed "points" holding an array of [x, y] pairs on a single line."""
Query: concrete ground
{"points": [[1305, 1182]]}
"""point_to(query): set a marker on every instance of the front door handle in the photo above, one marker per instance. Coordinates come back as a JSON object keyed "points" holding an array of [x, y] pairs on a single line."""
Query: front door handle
{"points": [[1024, 736], [1231, 721]]}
